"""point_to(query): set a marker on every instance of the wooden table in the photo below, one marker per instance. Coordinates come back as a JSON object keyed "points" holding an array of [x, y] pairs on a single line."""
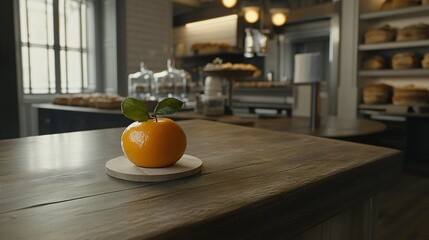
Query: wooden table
{"points": [[356, 130], [255, 184]]}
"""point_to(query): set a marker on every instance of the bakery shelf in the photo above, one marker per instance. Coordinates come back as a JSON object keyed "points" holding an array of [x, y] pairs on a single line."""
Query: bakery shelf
{"points": [[416, 11], [394, 45], [394, 73]]}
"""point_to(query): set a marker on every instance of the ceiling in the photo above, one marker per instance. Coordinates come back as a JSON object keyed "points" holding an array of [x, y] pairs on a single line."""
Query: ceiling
{"points": [[185, 11]]}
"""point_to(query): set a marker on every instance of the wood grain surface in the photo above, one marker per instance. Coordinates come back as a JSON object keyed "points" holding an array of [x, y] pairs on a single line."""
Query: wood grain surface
{"points": [[254, 184]]}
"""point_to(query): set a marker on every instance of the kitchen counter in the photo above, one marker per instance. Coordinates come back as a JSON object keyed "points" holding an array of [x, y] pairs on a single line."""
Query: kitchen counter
{"points": [[255, 184]]}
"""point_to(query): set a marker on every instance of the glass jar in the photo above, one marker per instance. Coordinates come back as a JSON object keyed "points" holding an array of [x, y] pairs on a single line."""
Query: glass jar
{"points": [[171, 82], [141, 84]]}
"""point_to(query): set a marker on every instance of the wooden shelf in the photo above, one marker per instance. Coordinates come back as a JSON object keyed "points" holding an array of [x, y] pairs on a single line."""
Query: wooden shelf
{"points": [[394, 73], [416, 11], [394, 45]]}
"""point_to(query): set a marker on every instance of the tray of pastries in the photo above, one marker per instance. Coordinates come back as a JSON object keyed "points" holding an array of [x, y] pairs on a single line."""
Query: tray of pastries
{"points": [[96, 100], [231, 70]]}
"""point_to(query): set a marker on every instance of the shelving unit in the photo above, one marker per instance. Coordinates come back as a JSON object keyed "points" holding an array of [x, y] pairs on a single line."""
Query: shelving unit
{"points": [[406, 126], [397, 18]]}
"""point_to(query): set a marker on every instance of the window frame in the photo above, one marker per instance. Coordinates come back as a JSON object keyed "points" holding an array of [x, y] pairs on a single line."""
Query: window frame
{"points": [[92, 53]]}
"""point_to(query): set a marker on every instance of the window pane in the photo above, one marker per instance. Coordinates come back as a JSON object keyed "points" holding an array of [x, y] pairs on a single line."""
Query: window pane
{"points": [[39, 70], [70, 14], [74, 71], [85, 70], [63, 64], [52, 70], [71, 72], [37, 21], [83, 11], [23, 20], [50, 23], [25, 70], [62, 22]]}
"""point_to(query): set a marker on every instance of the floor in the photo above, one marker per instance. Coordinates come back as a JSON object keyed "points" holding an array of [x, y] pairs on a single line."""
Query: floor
{"points": [[404, 210]]}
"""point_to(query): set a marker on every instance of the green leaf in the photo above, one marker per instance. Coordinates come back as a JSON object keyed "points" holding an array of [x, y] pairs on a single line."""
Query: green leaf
{"points": [[135, 110], [168, 106]]}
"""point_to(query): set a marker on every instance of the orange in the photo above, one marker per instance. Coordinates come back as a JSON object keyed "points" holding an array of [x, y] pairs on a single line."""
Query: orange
{"points": [[154, 143]]}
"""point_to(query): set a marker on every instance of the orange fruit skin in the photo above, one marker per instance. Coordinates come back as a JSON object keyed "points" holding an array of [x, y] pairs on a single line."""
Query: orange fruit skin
{"points": [[154, 144]]}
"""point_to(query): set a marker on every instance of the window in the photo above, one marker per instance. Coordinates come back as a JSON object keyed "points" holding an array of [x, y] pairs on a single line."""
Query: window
{"points": [[54, 52]]}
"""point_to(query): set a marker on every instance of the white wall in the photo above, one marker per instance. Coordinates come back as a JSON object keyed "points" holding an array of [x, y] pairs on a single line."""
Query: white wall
{"points": [[149, 34], [222, 32]]}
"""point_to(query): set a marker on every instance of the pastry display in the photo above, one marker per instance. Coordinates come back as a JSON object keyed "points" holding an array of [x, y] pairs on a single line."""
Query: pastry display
{"points": [[377, 93], [410, 95], [97, 100], [405, 60], [414, 32], [380, 34], [425, 61], [374, 62], [237, 69]]}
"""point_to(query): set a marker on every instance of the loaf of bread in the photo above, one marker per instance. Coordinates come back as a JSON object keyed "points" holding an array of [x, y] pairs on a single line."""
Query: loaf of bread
{"points": [[425, 61], [374, 62], [414, 32], [404, 3], [425, 2], [61, 99], [377, 93], [410, 95], [384, 33], [405, 60], [387, 5]]}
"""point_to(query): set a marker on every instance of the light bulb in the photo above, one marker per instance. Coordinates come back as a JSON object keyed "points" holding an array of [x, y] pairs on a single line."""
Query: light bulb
{"points": [[278, 19], [229, 3], [251, 15]]}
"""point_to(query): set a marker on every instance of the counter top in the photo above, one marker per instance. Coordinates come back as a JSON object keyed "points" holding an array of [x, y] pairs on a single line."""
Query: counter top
{"points": [[254, 184]]}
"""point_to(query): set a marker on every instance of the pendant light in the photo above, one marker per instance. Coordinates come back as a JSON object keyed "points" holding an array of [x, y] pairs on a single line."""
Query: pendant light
{"points": [[279, 16], [229, 3]]}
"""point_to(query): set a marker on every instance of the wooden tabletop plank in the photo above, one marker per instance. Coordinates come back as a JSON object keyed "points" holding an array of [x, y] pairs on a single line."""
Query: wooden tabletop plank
{"points": [[244, 169]]}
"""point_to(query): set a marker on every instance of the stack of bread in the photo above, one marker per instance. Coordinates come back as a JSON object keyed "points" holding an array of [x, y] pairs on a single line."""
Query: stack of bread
{"points": [[405, 60], [410, 95], [395, 4], [380, 34], [413, 32], [377, 93], [374, 62], [97, 100]]}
